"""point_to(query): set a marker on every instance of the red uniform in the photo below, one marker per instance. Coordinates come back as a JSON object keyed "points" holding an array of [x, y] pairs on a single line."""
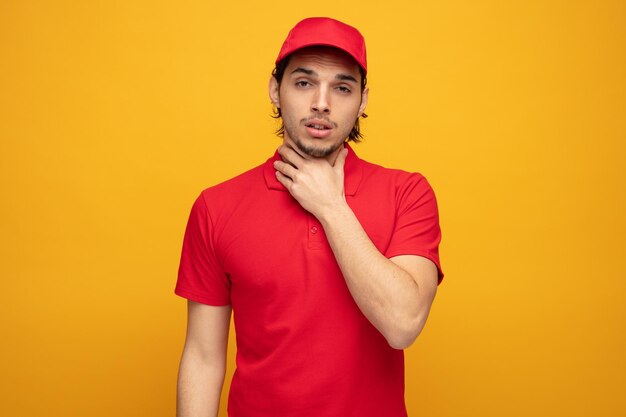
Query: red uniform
{"points": [[303, 346]]}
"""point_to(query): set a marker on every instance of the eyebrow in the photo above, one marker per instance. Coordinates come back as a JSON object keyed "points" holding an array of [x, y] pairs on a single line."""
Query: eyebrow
{"points": [[345, 77], [341, 77]]}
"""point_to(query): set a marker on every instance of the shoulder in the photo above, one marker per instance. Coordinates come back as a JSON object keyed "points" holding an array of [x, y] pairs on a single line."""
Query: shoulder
{"points": [[216, 204], [232, 190], [399, 180]]}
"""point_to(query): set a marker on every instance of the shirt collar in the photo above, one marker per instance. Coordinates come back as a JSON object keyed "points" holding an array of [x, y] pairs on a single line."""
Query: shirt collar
{"points": [[353, 172]]}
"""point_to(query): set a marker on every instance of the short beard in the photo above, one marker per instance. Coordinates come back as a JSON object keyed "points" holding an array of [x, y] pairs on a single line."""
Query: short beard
{"points": [[315, 152], [310, 150]]}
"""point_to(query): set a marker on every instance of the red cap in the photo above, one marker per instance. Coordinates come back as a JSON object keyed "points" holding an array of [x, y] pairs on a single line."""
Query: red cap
{"points": [[328, 32]]}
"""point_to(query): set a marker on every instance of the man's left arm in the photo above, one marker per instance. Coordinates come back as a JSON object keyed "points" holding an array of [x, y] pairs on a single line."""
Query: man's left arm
{"points": [[394, 294]]}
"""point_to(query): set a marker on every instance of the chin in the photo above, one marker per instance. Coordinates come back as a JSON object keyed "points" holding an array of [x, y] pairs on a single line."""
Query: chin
{"points": [[317, 151]]}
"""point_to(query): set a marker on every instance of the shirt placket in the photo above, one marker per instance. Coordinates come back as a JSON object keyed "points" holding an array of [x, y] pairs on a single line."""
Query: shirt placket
{"points": [[315, 233]]}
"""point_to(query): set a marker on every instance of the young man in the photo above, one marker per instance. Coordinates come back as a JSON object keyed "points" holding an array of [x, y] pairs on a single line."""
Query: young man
{"points": [[329, 263]]}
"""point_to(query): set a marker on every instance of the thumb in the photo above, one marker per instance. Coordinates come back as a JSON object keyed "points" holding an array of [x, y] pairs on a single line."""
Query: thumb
{"points": [[341, 159]]}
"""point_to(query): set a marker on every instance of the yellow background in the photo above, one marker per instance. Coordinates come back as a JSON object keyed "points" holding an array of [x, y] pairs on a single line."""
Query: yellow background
{"points": [[114, 115]]}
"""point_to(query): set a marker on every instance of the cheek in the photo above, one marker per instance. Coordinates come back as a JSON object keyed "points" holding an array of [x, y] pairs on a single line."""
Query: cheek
{"points": [[292, 109], [288, 112], [351, 110]]}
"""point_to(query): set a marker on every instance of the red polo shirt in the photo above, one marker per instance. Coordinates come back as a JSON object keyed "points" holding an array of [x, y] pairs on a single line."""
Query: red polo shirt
{"points": [[303, 346]]}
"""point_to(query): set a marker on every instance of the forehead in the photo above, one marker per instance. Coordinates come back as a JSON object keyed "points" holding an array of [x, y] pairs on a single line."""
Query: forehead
{"points": [[323, 58]]}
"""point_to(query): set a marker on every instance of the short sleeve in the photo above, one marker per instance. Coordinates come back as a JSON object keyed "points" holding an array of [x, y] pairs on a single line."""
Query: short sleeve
{"points": [[201, 277], [417, 230]]}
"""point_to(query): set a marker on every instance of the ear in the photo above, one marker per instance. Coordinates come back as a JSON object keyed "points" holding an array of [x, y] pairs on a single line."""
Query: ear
{"points": [[273, 91], [364, 96]]}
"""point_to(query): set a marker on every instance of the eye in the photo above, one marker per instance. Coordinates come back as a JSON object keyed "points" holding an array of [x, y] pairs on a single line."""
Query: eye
{"points": [[344, 89], [302, 83]]}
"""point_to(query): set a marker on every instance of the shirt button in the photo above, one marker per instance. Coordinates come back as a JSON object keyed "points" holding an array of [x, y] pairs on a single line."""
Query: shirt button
{"points": [[314, 229]]}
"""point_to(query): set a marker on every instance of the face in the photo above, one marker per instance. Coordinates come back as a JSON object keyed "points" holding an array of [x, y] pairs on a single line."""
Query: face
{"points": [[320, 99]]}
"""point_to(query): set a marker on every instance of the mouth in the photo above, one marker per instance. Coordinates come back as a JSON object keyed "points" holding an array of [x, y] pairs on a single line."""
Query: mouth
{"points": [[318, 124], [318, 127]]}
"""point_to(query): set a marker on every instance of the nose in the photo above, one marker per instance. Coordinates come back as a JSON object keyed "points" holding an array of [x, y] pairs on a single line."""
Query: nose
{"points": [[321, 102]]}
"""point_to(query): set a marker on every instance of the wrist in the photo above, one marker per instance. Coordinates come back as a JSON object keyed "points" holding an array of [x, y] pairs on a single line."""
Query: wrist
{"points": [[333, 213]]}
